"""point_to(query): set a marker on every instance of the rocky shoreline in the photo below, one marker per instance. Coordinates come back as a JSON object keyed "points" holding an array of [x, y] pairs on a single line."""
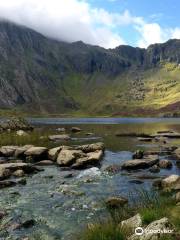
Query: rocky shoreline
{"points": [[19, 162]]}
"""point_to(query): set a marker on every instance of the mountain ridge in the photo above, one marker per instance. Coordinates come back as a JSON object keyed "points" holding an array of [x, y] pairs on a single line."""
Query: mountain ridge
{"points": [[42, 75]]}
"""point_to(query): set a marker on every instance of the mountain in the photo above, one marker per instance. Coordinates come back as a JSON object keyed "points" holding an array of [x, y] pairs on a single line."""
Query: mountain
{"points": [[39, 75]]}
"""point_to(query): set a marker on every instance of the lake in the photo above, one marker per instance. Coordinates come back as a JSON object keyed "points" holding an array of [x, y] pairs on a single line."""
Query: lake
{"points": [[62, 205]]}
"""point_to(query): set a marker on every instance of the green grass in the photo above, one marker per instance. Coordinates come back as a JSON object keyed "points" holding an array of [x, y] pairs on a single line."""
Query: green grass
{"points": [[103, 231], [151, 206]]}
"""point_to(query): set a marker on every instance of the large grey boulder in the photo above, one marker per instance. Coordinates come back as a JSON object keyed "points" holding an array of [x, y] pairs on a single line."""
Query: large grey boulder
{"points": [[67, 157], [146, 162], [19, 152], [36, 152], [4, 173], [19, 173], [170, 183], [8, 151], [132, 223], [18, 166], [53, 153], [21, 133], [89, 159], [59, 137], [154, 230], [91, 147], [177, 153]]}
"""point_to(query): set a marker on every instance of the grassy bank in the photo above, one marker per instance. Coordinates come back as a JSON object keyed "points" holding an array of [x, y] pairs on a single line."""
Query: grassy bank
{"points": [[151, 207]]}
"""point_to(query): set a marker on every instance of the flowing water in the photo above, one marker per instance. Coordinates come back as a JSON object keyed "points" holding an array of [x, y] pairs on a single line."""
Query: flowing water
{"points": [[62, 205]]}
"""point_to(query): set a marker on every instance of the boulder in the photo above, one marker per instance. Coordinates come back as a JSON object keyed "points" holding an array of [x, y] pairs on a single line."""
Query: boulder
{"points": [[167, 135], [53, 153], [153, 230], [91, 147], [112, 169], [89, 134], [76, 129], [67, 157], [18, 166], [36, 152], [21, 133], [146, 162], [19, 152], [7, 183], [138, 154], [177, 197], [19, 173], [171, 182], [59, 137], [177, 153], [116, 202], [132, 223], [165, 164], [88, 159], [8, 151], [4, 173], [61, 129], [44, 163], [154, 169]]}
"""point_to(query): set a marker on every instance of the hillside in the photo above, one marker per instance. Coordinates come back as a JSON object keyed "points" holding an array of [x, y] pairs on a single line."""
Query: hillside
{"points": [[39, 75]]}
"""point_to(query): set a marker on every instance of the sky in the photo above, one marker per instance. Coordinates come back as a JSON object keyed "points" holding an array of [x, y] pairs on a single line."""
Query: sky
{"points": [[107, 23]]}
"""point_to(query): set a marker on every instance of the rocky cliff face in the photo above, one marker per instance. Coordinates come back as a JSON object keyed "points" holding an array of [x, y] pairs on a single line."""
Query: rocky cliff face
{"points": [[41, 74]]}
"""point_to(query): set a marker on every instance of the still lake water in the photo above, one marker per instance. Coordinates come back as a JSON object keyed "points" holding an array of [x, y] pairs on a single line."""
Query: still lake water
{"points": [[60, 215]]}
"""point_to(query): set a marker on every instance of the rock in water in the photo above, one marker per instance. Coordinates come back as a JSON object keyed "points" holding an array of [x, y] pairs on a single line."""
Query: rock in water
{"points": [[140, 163], [89, 159], [177, 153], [37, 153], [53, 153], [8, 151], [7, 183], [154, 169], [116, 202], [59, 137], [91, 147], [19, 152], [44, 163], [76, 129], [19, 173], [67, 157], [27, 168], [4, 173], [165, 164]]}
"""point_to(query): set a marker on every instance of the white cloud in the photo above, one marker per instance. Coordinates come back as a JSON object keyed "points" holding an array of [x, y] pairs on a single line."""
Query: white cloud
{"points": [[150, 33], [74, 20], [69, 20]]}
